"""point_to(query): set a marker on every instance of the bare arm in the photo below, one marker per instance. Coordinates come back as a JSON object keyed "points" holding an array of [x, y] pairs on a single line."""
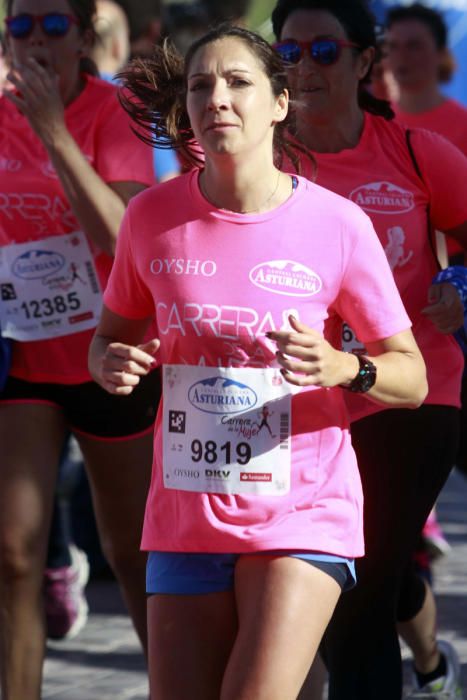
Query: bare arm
{"points": [[117, 359], [98, 207], [309, 360], [445, 307]]}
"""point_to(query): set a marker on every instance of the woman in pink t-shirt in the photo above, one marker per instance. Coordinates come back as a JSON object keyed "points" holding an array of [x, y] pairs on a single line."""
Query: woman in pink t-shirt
{"points": [[254, 513], [404, 457], [69, 164]]}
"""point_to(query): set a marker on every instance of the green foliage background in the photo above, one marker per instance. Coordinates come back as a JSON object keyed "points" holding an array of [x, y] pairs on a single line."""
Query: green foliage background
{"points": [[259, 15]]}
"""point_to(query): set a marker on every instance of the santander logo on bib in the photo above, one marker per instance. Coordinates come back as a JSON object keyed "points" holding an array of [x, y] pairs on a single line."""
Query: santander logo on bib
{"points": [[383, 198], [286, 277]]}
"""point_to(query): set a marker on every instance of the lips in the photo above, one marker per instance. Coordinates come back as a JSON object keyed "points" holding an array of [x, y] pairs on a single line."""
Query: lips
{"points": [[308, 89], [219, 125]]}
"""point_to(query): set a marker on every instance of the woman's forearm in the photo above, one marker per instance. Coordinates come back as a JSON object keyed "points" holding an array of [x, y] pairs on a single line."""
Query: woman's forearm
{"points": [[97, 207], [400, 379]]}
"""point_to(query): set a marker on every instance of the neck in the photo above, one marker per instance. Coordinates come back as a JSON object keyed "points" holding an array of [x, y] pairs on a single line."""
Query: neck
{"points": [[73, 89], [245, 188], [422, 100], [331, 134], [110, 67]]}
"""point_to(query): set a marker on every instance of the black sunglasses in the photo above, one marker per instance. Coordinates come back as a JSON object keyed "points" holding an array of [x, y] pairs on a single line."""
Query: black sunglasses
{"points": [[53, 24], [324, 52]]}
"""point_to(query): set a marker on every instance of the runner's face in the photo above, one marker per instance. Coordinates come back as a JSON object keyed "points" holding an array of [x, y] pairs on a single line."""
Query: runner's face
{"points": [[323, 92], [230, 102], [411, 54], [60, 55]]}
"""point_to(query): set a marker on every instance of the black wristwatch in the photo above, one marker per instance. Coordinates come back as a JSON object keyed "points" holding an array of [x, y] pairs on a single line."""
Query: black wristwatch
{"points": [[365, 377]]}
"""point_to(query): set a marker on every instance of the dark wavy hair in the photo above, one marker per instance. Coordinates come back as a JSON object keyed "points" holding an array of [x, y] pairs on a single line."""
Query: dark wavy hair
{"points": [[359, 24], [85, 12], [154, 94]]}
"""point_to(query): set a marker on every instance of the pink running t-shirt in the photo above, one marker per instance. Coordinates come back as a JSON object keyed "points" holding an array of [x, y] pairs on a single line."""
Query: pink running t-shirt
{"points": [[448, 119], [33, 206], [379, 175], [217, 282]]}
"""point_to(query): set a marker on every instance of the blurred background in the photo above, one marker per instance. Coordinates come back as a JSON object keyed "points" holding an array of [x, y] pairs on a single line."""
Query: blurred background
{"points": [[455, 15], [256, 13]]}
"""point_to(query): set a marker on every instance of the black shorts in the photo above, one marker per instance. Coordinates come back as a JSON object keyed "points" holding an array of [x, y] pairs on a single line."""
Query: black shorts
{"points": [[89, 409]]}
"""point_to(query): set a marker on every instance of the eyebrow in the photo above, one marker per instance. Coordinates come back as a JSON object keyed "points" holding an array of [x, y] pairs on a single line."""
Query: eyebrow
{"points": [[228, 71]]}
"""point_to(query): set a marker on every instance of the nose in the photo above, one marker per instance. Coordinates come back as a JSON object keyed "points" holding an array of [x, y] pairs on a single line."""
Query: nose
{"points": [[218, 96], [306, 65], [36, 38]]}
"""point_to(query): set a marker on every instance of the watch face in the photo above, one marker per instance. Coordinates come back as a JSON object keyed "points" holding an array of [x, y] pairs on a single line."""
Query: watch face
{"points": [[366, 376]]}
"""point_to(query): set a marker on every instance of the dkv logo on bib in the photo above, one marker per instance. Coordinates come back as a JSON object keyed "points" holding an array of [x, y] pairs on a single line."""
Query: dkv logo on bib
{"points": [[383, 198], [221, 396], [286, 277]]}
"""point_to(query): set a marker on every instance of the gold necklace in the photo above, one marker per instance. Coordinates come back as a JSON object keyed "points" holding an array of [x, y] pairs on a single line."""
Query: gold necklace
{"points": [[202, 187]]}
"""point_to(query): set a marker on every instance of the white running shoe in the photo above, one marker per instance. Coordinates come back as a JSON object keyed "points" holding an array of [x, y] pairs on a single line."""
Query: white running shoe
{"points": [[66, 608], [447, 687]]}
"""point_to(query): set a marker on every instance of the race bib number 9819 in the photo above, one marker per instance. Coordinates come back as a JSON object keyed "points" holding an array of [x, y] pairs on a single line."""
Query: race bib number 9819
{"points": [[226, 430]]}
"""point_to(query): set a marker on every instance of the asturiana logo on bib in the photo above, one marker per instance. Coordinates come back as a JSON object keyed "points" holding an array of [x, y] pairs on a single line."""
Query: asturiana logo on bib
{"points": [[221, 396], [383, 198], [286, 277], [36, 264]]}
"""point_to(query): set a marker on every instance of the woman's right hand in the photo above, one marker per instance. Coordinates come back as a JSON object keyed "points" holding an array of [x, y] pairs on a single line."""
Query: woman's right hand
{"points": [[37, 96], [122, 366]]}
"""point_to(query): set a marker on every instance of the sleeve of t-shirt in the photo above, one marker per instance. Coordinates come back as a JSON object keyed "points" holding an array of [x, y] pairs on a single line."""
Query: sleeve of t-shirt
{"points": [[444, 172], [120, 155], [126, 293], [369, 301]]}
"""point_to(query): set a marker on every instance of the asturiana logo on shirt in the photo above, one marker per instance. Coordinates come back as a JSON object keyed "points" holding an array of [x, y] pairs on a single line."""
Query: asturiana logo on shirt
{"points": [[35, 264], [286, 277], [221, 396], [383, 198]]}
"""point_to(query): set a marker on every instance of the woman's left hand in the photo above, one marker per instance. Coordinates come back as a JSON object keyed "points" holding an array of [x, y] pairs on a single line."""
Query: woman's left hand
{"points": [[304, 351], [37, 96], [445, 308]]}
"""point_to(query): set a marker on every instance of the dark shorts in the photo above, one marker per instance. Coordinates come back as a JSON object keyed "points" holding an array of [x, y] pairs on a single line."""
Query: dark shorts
{"points": [[89, 409], [188, 573]]}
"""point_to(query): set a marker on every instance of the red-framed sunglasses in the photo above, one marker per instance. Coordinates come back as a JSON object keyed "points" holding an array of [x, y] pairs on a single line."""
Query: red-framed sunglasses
{"points": [[324, 52], [53, 24]]}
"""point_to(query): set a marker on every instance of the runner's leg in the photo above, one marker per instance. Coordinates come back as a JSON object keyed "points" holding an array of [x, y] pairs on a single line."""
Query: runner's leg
{"points": [[119, 474], [190, 640], [284, 605], [31, 438]]}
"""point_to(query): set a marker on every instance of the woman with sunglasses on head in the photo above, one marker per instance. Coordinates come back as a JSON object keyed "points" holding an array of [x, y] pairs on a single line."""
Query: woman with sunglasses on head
{"points": [[404, 457], [69, 166], [253, 516]]}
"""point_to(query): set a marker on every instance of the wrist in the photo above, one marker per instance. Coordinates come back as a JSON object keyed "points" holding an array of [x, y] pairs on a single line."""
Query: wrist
{"points": [[56, 138], [350, 366], [365, 377]]}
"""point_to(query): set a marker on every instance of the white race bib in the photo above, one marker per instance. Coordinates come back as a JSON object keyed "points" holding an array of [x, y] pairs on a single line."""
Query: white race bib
{"points": [[226, 430], [48, 288]]}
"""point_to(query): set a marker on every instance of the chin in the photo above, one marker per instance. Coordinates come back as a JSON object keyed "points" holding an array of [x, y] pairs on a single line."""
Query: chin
{"points": [[314, 113]]}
